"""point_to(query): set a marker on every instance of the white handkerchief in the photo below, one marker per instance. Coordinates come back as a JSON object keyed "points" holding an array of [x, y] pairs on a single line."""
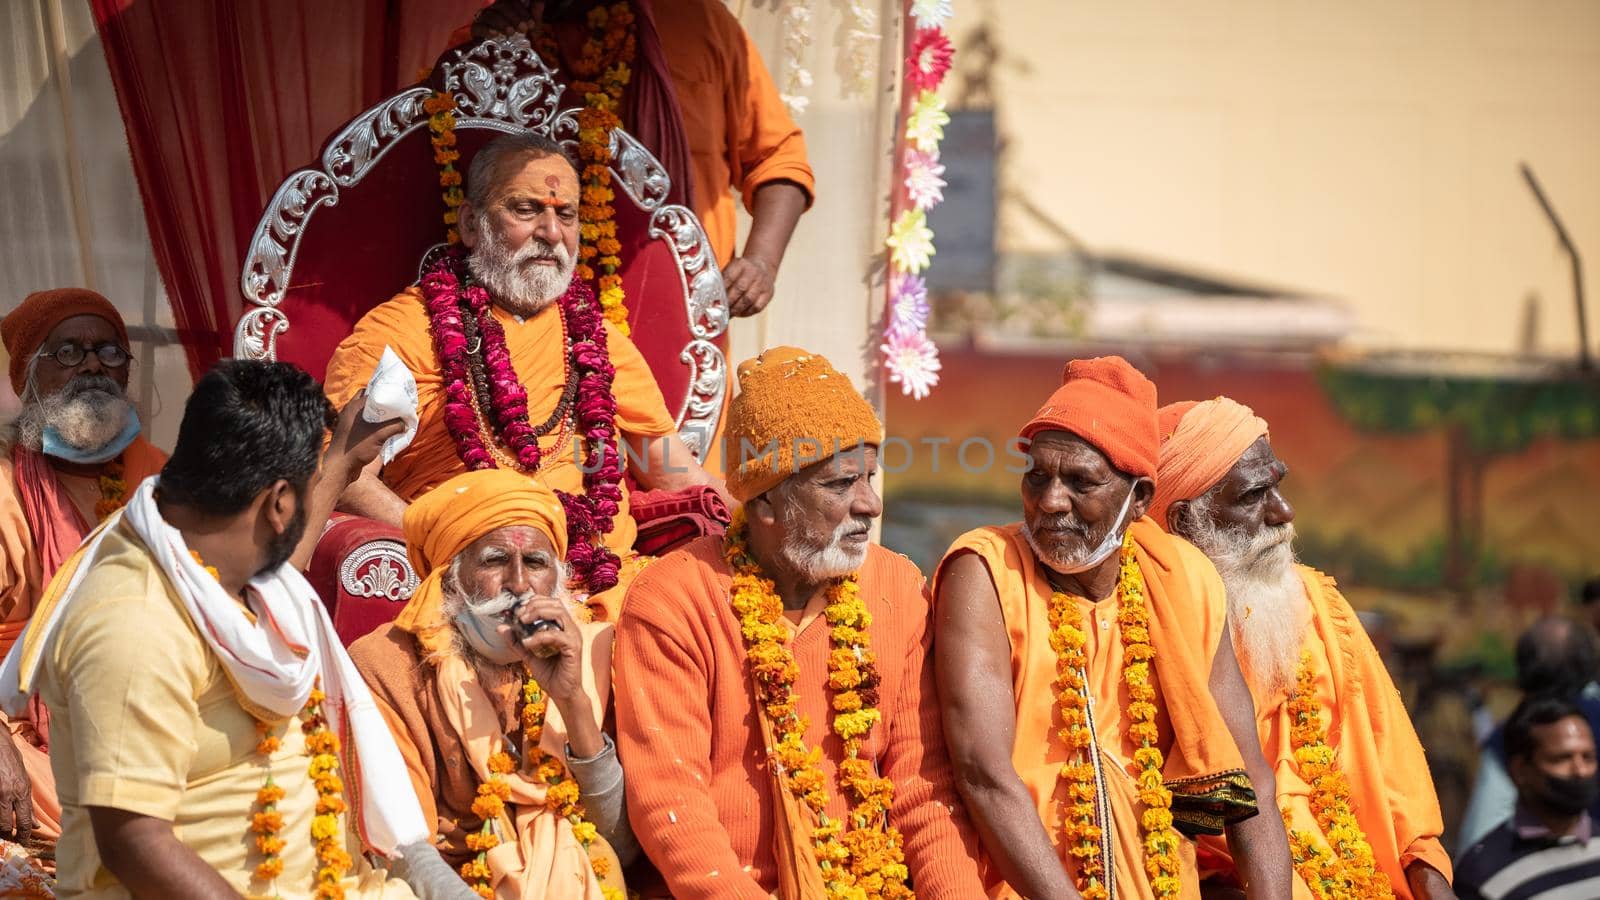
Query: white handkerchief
{"points": [[392, 394]]}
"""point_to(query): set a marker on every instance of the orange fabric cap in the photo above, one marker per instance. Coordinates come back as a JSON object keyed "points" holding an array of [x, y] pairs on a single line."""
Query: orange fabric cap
{"points": [[447, 519], [800, 402], [24, 329], [1203, 442], [1110, 404]]}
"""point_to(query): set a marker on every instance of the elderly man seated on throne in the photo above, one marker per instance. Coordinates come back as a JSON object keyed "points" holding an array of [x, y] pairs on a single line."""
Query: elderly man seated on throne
{"points": [[516, 368]]}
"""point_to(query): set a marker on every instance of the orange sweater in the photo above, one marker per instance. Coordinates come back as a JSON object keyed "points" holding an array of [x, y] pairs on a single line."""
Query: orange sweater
{"points": [[699, 796]]}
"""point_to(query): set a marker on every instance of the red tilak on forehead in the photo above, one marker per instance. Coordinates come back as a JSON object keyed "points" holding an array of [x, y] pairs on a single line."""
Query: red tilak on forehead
{"points": [[552, 182]]}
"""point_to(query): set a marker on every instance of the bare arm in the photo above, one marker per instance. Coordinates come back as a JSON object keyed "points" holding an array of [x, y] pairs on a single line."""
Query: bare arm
{"points": [[1427, 883], [667, 464], [354, 446], [149, 859], [368, 496], [752, 276], [1259, 845], [972, 664]]}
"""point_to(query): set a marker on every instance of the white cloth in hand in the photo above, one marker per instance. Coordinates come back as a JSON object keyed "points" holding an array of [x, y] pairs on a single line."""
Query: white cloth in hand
{"points": [[392, 394]]}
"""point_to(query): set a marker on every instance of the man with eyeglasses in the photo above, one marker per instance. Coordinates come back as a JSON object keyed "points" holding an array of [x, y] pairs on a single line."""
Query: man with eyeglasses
{"points": [[71, 457]]}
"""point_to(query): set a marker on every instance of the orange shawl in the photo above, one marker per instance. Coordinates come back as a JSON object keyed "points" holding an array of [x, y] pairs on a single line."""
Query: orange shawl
{"points": [[1377, 748]]}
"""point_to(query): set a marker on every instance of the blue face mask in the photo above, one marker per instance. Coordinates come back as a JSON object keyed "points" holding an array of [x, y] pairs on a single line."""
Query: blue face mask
{"points": [[54, 446]]}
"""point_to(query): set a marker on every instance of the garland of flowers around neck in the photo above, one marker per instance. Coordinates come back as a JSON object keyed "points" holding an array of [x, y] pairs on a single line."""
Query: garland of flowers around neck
{"points": [[561, 797], [267, 823], [113, 489], [1083, 830], [871, 854], [1353, 873], [455, 304], [601, 75]]}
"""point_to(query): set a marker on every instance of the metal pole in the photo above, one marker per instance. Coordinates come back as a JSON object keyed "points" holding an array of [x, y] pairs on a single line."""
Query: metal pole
{"points": [[1585, 363]]}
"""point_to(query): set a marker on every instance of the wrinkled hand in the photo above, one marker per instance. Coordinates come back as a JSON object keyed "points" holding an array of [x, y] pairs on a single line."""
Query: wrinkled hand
{"points": [[16, 794], [750, 282], [356, 441], [505, 17], [554, 656]]}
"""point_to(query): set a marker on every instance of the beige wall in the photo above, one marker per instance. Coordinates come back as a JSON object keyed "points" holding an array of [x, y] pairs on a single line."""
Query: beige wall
{"points": [[1361, 150]]}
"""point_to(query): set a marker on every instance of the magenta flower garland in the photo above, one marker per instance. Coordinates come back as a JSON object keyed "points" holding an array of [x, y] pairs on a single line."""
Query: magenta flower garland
{"points": [[451, 296]]}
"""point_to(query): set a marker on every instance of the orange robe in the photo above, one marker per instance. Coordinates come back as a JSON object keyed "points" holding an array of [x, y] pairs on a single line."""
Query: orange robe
{"points": [[700, 797], [740, 133], [1375, 745], [31, 547], [535, 345], [1187, 618]]}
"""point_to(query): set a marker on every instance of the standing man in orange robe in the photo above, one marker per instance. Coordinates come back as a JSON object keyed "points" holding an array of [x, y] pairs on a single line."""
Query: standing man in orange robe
{"points": [[774, 710], [1092, 708], [703, 102], [1303, 652], [71, 457], [520, 226]]}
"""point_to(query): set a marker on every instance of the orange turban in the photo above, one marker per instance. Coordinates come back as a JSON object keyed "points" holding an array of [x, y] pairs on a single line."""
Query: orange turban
{"points": [[799, 401], [448, 519], [1110, 404], [24, 329], [1201, 442]]}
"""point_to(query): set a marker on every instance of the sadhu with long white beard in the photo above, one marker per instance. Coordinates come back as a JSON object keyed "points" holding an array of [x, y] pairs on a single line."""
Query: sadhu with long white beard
{"points": [[67, 461], [1092, 708], [773, 707], [495, 685], [1347, 761]]}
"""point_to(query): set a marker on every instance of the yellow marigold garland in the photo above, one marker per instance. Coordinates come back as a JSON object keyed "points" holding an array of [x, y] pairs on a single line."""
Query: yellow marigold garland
{"points": [[868, 860], [1083, 829], [1349, 871], [323, 745], [561, 797], [441, 110], [113, 490], [601, 74]]}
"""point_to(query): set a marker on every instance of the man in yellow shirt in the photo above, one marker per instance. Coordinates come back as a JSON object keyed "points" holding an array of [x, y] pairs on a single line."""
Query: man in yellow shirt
{"points": [[210, 736]]}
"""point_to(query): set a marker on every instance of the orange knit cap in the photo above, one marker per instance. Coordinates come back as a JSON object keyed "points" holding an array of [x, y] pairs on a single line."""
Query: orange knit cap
{"points": [[24, 329], [1200, 443], [448, 519], [800, 402], [1110, 404]]}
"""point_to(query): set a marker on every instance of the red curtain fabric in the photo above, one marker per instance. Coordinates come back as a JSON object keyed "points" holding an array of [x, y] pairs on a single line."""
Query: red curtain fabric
{"points": [[223, 98]]}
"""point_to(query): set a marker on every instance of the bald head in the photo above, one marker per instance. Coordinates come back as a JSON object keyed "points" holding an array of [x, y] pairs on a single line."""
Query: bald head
{"points": [[1558, 657]]}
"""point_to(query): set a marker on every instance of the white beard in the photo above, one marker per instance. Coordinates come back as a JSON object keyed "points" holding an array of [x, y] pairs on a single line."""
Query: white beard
{"points": [[87, 413], [1267, 606], [831, 559], [513, 281]]}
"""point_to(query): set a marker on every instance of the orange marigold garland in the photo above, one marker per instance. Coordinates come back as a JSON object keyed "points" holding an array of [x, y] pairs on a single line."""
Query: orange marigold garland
{"points": [[601, 74], [1084, 830], [441, 110], [1350, 870], [561, 797], [113, 490], [868, 860]]}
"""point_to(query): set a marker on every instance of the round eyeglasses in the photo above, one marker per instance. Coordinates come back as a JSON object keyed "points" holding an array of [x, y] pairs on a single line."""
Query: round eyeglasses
{"points": [[69, 355]]}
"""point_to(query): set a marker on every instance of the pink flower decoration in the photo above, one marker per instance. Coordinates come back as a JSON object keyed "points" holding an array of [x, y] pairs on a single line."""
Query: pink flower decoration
{"points": [[925, 183], [928, 59], [912, 361]]}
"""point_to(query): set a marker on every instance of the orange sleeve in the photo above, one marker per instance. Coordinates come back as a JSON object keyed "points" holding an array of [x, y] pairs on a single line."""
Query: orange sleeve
{"points": [[939, 842], [400, 323], [766, 143], [664, 737], [19, 567], [641, 410]]}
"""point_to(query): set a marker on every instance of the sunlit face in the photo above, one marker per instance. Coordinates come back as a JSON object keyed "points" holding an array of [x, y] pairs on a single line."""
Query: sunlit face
{"points": [[1562, 749], [524, 240], [1071, 497], [824, 513], [1247, 499], [492, 576]]}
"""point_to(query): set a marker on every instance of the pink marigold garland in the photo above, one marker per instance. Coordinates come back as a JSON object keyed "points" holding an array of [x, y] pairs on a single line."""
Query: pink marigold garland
{"points": [[451, 297]]}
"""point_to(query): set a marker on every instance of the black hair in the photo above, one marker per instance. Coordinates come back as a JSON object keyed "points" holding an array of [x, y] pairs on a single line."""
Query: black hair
{"points": [[1557, 656], [1532, 713], [247, 425], [1590, 594]]}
